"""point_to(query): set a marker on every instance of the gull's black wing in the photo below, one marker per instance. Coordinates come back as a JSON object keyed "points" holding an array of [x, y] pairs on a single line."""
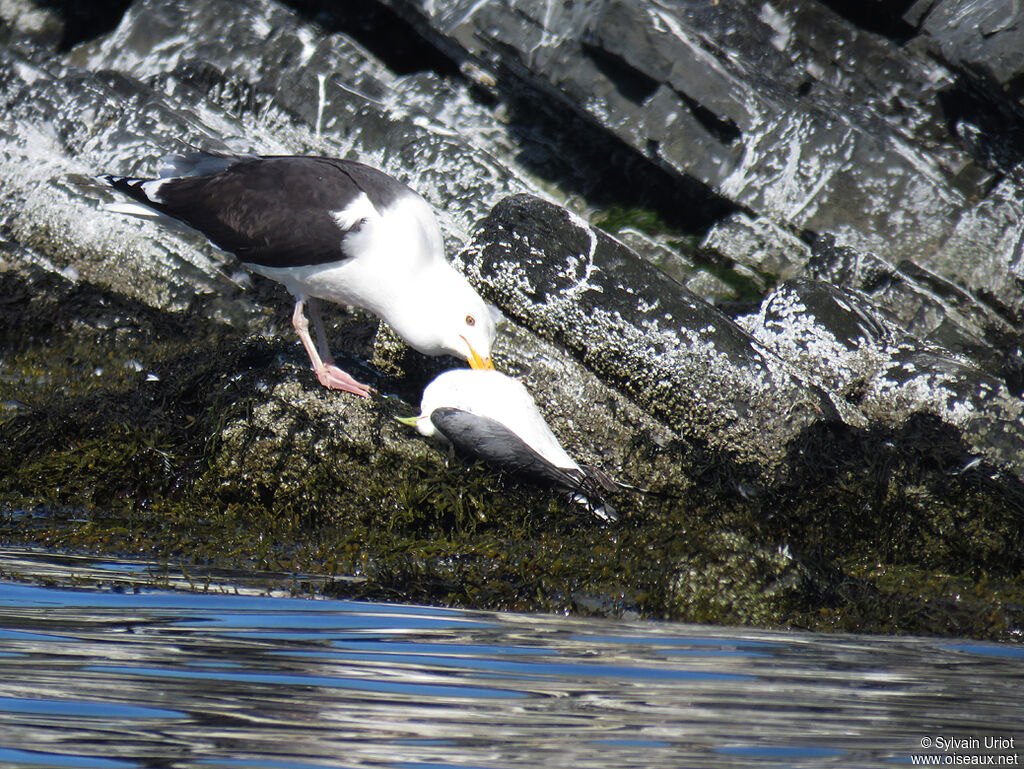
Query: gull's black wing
{"points": [[489, 440], [274, 211]]}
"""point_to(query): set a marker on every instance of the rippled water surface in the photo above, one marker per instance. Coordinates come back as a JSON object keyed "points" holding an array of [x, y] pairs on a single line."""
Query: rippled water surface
{"points": [[93, 678]]}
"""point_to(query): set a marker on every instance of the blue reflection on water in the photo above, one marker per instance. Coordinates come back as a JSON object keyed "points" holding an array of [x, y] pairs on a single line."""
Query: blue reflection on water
{"points": [[23, 635], [696, 647], [307, 626], [435, 647], [265, 764], [986, 650], [526, 669], [337, 682], [36, 757], [238, 609], [138, 568], [84, 709], [658, 640], [261, 680]]}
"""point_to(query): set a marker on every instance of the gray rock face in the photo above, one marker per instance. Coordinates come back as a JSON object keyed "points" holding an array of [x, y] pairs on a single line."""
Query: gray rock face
{"points": [[756, 243], [712, 91], [985, 38], [886, 373], [677, 356], [57, 125], [923, 304], [785, 109]]}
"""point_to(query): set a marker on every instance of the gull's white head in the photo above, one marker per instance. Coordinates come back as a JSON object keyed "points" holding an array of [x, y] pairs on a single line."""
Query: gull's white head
{"points": [[446, 316], [479, 392], [404, 278]]}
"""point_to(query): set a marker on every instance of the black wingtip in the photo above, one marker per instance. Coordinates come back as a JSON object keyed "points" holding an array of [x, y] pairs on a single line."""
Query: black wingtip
{"points": [[127, 184], [588, 490], [604, 511], [487, 439]]}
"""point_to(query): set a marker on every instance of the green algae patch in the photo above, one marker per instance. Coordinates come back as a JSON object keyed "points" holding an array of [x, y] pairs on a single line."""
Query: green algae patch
{"points": [[617, 218], [747, 286], [135, 431], [249, 466]]}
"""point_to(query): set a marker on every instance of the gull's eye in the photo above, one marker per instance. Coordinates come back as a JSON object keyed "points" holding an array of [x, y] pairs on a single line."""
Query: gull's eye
{"points": [[470, 320]]}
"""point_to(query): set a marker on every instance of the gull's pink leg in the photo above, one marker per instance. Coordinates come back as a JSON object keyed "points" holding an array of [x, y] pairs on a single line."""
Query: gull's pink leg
{"points": [[329, 375], [321, 333]]}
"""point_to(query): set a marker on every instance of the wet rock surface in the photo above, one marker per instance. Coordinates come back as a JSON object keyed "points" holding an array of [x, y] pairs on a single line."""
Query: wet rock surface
{"points": [[841, 341], [675, 355], [785, 109], [757, 263]]}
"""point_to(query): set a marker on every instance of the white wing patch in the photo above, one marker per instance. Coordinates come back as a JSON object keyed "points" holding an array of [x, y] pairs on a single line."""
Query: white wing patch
{"points": [[360, 208], [151, 189], [133, 209]]}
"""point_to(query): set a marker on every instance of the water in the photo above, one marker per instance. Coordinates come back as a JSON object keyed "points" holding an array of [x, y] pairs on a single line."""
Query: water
{"points": [[144, 678]]}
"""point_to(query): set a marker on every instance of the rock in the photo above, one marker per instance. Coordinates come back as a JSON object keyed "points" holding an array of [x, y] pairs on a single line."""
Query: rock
{"points": [[716, 585], [673, 262], [923, 304], [303, 452], [889, 375], [757, 244], [981, 38], [58, 125], [807, 323], [787, 111], [679, 358], [57, 26], [154, 400], [741, 100], [985, 254], [19, 20]]}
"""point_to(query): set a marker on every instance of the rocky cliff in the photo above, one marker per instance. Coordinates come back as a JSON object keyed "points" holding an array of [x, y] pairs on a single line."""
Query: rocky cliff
{"points": [[761, 262]]}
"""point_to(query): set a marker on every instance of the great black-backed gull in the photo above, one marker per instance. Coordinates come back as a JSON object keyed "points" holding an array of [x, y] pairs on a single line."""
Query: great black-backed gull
{"points": [[327, 229], [490, 416]]}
